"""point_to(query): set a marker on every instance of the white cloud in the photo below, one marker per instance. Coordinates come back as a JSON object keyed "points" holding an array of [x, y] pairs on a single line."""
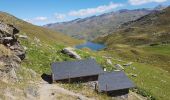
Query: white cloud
{"points": [[40, 19], [37, 19], [59, 16], [140, 2], [99, 9]]}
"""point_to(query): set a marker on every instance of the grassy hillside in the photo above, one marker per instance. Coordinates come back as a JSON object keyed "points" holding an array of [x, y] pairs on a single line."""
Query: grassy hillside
{"points": [[41, 33], [150, 29], [146, 38], [152, 81], [145, 42]]}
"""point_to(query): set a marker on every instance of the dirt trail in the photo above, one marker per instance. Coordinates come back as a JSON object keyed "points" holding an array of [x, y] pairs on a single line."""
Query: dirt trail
{"points": [[48, 91]]}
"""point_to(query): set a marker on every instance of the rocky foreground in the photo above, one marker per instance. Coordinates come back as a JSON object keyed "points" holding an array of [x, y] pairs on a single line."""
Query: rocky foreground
{"points": [[11, 53]]}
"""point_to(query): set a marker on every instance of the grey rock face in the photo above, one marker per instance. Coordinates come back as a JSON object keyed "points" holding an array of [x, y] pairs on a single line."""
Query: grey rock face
{"points": [[10, 63], [7, 30], [8, 38]]}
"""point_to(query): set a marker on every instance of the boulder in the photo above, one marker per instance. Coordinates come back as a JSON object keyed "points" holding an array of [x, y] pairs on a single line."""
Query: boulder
{"points": [[133, 75], [21, 36], [8, 38], [7, 30], [128, 64], [109, 62], [119, 67], [70, 51]]}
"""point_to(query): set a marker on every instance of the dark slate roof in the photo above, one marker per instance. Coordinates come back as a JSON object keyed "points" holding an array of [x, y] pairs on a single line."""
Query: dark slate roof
{"points": [[74, 69], [111, 81]]}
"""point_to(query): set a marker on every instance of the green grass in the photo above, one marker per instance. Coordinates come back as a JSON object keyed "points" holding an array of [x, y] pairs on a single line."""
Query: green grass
{"points": [[150, 64], [39, 57], [159, 49], [152, 79]]}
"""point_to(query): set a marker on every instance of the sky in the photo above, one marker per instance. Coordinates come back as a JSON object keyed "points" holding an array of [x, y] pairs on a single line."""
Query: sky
{"points": [[41, 12]]}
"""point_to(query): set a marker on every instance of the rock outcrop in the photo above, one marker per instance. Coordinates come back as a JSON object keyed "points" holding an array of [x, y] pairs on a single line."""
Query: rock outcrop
{"points": [[11, 53], [8, 38]]}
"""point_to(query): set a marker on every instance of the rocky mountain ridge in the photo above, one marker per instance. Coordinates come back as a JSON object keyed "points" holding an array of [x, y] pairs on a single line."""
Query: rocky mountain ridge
{"points": [[91, 27]]}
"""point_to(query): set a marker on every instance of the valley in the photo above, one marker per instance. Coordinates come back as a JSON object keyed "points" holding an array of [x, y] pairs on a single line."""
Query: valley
{"points": [[92, 27], [140, 45]]}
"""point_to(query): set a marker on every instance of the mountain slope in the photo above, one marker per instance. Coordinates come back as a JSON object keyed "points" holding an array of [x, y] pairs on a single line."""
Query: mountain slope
{"points": [[153, 85], [149, 29], [145, 42], [92, 27], [35, 31]]}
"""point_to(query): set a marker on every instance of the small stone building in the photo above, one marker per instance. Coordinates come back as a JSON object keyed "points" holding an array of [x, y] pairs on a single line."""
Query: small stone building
{"points": [[72, 71], [114, 83]]}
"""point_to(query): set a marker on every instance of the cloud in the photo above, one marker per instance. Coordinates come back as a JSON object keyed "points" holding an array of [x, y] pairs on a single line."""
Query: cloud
{"points": [[140, 2], [37, 19], [59, 16], [40, 19], [99, 9]]}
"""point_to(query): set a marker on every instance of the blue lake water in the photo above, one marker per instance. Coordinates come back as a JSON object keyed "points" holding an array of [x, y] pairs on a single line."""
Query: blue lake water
{"points": [[91, 45]]}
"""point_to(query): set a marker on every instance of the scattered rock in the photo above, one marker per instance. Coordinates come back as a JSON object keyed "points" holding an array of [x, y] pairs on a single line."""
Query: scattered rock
{"points": [[133, 75], [104, 69], [107, 57], [36, 40], [21, 36], [119, 67], [109, 62], [128, 64], [8, 38], [92, 84], [134, 68], [70, 51], [163, 81], [25, 48]]}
